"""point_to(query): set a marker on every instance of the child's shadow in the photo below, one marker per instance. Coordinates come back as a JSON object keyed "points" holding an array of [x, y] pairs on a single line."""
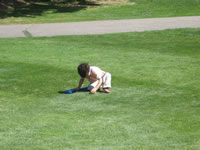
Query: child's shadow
{"points": [[84, 89], [71, 91]]}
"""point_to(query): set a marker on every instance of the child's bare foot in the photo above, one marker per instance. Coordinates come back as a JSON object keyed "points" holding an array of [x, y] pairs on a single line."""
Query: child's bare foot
{"points": [[106, 91]]}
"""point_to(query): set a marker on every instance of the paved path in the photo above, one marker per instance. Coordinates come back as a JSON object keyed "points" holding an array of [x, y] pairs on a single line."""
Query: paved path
{"points": [[98, 27]]}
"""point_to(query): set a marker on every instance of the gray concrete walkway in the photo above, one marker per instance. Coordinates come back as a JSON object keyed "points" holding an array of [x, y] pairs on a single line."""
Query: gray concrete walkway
{"points": [[98, 27]]}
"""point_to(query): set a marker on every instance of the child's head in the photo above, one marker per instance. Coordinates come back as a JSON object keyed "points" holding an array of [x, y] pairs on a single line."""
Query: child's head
{"points": [[83, 69]]}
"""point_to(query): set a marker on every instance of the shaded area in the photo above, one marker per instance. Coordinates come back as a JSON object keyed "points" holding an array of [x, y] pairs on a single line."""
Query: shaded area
{"points": [[32, 8]]}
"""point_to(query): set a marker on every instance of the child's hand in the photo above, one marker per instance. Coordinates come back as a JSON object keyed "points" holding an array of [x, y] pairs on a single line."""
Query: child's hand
{"points": [[77, 89], [93, 91]]}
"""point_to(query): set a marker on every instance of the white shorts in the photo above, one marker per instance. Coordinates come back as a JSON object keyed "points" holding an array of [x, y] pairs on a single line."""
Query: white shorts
{"points": [[106, 82]]}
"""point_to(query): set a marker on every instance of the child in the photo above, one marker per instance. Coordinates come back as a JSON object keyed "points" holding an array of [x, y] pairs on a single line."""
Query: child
{"points": [[97, 78]]}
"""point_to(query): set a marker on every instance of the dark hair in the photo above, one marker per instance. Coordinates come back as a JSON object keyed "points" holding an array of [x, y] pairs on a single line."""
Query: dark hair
{"points": [[83, 69]]}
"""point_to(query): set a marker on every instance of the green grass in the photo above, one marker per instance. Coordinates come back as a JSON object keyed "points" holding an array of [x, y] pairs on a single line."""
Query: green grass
{"points": [[46, 13], [154, 103]]}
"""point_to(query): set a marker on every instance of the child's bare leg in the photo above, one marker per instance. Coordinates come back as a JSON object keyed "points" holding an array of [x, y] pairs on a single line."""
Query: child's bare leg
{"points": [[106, 90]]}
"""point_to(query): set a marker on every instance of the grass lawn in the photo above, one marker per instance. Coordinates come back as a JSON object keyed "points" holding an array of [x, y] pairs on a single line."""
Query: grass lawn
{"points": [[154, 103], [63, 12]]}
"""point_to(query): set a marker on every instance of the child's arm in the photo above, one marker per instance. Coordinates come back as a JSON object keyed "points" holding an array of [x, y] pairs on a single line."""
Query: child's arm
{"points": [[80, 84], [97, 87]]}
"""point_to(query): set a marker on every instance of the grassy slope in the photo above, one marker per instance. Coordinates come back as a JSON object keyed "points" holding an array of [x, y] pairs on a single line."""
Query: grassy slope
{"points": [[43, 13], [154, 104]]}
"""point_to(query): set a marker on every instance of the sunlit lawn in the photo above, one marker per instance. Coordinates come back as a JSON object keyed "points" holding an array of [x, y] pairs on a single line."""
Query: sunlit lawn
{"points": [[154, 103]]}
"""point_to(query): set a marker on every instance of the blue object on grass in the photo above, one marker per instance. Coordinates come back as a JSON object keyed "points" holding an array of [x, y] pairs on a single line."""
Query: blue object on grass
{"points": [[70, 91], [73, 90]]}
